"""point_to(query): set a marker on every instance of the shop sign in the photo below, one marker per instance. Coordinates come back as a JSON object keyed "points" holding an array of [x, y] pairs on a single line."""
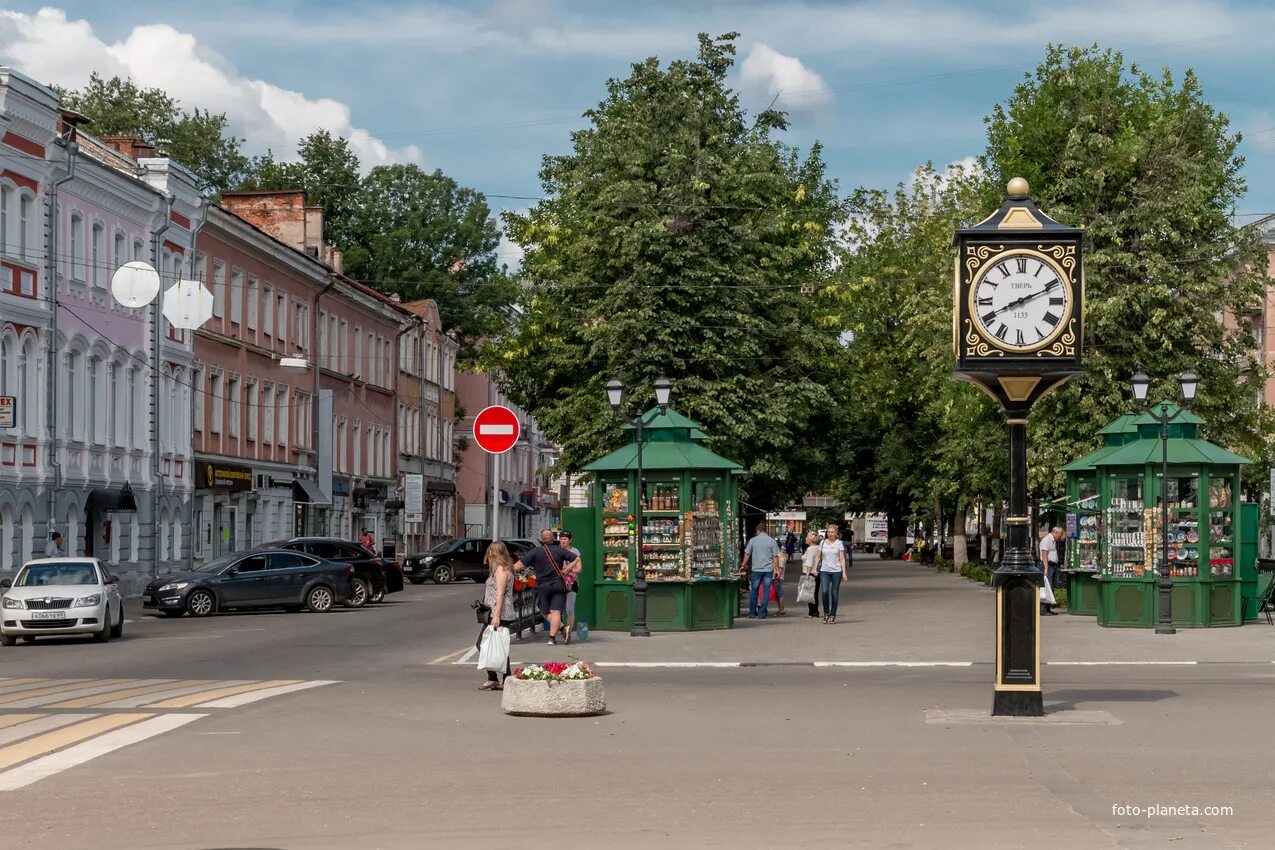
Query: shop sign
{"points": [[787, 516], [8, 411], [209, 475], [413, 497]]}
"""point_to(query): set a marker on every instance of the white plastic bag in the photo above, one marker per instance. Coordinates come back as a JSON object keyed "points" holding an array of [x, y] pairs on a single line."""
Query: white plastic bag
{"points": [[1047, 594], [806, 589], [493, 652]]}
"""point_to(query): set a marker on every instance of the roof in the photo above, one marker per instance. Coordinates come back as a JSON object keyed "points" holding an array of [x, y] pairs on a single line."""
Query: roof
{"points": [[1181, 415], [1182, 451], [1123, 424], [1086, 463], [669, 420], [663, 455]]}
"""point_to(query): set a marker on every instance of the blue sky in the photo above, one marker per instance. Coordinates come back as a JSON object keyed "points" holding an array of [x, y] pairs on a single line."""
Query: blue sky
{"points": [[483, 89]]}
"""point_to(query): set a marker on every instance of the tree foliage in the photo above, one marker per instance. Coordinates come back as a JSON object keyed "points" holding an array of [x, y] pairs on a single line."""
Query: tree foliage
{"points": [[680, 237], [327, 170], [196, 138], [1150, 169]]}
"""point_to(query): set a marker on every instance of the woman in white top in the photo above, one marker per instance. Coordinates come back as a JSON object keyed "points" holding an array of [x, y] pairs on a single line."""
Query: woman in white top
{"points": [[832, 571], [810, 567]]}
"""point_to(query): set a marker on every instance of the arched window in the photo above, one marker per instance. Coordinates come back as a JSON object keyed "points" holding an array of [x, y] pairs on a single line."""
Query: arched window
{"points": [[92, 402], [77, 246], [74, 385], [27, 548], [28, 378], [139, 252], [6, 363], [6, 197], [130, 427], [24, 226], [119, 258], [73, 531], [112, 403], [97, 272], [6, 538]]}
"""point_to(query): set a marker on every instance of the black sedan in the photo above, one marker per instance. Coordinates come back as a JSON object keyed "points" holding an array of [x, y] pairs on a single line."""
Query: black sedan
{"points": [[455, 559], [373, 577], [258, 578]]}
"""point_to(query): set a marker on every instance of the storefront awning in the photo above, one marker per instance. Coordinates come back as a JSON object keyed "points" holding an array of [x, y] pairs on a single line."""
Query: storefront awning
{"points": [[121, 500], [306, 491], [440, 486]]}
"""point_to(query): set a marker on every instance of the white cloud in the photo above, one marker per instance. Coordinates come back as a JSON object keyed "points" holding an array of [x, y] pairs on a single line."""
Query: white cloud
{"points": [[48, 47], [1262, 134], [964, 165], [765, 72]]}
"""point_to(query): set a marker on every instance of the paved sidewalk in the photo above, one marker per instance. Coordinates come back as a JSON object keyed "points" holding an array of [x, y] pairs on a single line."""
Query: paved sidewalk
{"points": [[899, 613]]}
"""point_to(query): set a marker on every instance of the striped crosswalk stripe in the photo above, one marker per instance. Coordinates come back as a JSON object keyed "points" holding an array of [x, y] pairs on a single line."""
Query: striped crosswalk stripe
{"points": [[50, 725]]}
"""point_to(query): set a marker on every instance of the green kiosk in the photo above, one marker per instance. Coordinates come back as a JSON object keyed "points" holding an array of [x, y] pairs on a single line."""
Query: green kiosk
{"points": [[1115, 522], [688, 538]]}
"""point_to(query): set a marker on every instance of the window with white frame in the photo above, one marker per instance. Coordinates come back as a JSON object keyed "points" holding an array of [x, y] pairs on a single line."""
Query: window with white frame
{"points": [[199, 400], [254, 295], [342, 445], [92, 399], [139, 249], [219, 289], [232, 393], [6, 198], [112, 403], [283, 317], [133, 405], [334, 343], [77, 246], [26, 221], [358, 352], [343, 364], [119, 258], [282, 434], [253, 423], [218, 412], [98, 271], [385, 452], [303, 406], [321, 353], [356, 467], [236, 296], [267, 413], [267, 321]]}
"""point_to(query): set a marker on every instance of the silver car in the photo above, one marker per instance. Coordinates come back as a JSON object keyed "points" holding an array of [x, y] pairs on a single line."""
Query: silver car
{"points": [[61, 596]]}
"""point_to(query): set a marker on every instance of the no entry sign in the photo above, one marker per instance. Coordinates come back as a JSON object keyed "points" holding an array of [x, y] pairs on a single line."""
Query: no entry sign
{"points": [[496, 429]]}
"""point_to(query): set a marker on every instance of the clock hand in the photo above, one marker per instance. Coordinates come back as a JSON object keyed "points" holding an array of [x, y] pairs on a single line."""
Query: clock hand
{"points": [[1028, 297]]}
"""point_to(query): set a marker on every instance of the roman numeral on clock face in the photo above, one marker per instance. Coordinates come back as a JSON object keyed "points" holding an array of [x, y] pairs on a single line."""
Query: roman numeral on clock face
{"points": [[988, 318], [986, 301], [1057, 301], [1018, 337], [1001, 332], [1052, 319], [1021, 262]]}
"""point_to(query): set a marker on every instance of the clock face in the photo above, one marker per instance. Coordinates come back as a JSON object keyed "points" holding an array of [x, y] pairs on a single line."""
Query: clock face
{"points": [[1020, 300]]}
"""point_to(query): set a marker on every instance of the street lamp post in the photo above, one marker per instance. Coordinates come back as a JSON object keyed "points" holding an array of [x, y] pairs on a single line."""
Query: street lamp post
{"points": [[1188, 383], [615, 395]]}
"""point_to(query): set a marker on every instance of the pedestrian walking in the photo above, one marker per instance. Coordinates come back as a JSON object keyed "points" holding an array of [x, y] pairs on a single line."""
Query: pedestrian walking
{"points": [[367, 542], [1049, 564], [573, 581], [498, 595], [790, 545], [810, 567], [761, 558], [551, 563], [53, 549], [847, 543], [832, 572]]}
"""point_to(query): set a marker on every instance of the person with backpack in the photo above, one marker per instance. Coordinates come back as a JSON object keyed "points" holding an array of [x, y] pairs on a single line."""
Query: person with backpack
{"points": [[573, 582], [552, 565]]}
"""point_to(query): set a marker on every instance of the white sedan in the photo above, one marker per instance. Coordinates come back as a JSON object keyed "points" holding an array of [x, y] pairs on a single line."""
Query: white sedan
{"points": [[61, 596]]}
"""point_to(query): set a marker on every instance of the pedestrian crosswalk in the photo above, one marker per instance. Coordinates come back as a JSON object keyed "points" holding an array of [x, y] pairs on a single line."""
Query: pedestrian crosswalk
{"points": [[50, 725]]}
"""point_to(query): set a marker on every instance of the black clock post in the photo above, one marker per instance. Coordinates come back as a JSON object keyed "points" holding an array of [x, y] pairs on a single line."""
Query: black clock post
{"points": [[1018, 272]]}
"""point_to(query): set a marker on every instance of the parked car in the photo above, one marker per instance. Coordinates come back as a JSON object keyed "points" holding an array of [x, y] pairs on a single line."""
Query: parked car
{"points": [[373, 577], [456, 559], [61, 596], [257, 578]]}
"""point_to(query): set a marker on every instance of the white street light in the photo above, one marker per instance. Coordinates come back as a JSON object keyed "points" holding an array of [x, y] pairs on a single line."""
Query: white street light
{"points": [[135, 284], [188, 304]]}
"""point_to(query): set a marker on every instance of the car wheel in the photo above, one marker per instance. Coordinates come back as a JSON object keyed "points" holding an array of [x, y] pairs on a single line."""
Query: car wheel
{"points": [[377, 596], [201, 603], [173, 614], [417, 580], [359, 595], [28, 638], [117, 631], [104, 635], [7, 640], [442, 575], [320, 599]]}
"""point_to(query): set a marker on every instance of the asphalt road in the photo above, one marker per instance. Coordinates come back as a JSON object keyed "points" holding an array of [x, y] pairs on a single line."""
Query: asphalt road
{"points": [[378, 747]]}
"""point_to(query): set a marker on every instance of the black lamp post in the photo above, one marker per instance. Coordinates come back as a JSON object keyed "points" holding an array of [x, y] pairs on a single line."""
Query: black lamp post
{"points": [[1164, 582], [615, 395]]}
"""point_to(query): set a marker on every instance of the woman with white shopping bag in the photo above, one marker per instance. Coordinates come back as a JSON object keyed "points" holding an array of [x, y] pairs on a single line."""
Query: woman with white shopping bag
{"points": [[493, 641], [808, 590]]}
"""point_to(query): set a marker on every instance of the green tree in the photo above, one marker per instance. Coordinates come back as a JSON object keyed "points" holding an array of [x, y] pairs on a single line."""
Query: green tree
{"points": [[920, 438], [197, 138], [1148, 166], [680, 237], [327, 170], [422, 235]]}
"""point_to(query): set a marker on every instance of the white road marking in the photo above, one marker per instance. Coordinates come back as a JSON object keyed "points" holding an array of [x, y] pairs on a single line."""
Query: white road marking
{"points": [[181, 637], [448, 657], [137, 701], [666, 663], [9, 690], [89, 690], [464, 659], [45, 766], [252, 696], [894, 663], [43, 724]]}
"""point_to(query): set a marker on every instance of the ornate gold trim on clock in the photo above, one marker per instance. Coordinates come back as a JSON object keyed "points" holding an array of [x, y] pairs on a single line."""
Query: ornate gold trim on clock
{"points": [[980, 259], [1020, 218], [1018, 388], [976, 346]]}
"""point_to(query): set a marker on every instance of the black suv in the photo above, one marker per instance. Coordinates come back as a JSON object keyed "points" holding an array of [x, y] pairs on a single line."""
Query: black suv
{"points": [[373, 577], [455, 559], [257, 578]]}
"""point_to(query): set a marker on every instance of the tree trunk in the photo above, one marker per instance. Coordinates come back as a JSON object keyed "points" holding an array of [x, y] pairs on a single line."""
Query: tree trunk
{"points": [[898, 534], [959, 557]]}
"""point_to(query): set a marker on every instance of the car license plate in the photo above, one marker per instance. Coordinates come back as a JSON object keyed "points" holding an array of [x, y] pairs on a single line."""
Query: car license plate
{"points": [[47, 615], [148, 598]]}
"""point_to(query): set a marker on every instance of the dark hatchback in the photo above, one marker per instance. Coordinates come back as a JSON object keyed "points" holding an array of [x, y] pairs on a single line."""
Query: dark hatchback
{"points": [[457, 559], [258, 578], [373, 577]]}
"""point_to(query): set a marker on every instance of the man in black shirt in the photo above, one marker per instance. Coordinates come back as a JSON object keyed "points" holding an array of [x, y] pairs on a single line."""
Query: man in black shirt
{"points": [[551, 563]]}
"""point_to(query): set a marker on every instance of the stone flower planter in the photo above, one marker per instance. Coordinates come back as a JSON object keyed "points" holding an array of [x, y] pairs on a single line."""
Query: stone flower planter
{"points": [[571, 698]]}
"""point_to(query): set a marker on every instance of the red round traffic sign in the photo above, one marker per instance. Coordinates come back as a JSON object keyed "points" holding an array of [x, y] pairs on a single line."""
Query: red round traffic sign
{"points": [[496, 429]]}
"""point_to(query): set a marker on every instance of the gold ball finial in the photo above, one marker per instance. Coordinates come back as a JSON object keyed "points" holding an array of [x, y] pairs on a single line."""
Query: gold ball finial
{"points": [[1018, 188]]}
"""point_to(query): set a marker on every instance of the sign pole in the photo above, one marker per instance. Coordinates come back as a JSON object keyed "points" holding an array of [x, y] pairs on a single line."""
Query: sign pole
{"points": [[495, 498]]}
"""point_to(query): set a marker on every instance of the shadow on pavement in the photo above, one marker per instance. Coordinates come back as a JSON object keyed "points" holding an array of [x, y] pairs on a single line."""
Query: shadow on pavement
{"points": [[1063, 700]]}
